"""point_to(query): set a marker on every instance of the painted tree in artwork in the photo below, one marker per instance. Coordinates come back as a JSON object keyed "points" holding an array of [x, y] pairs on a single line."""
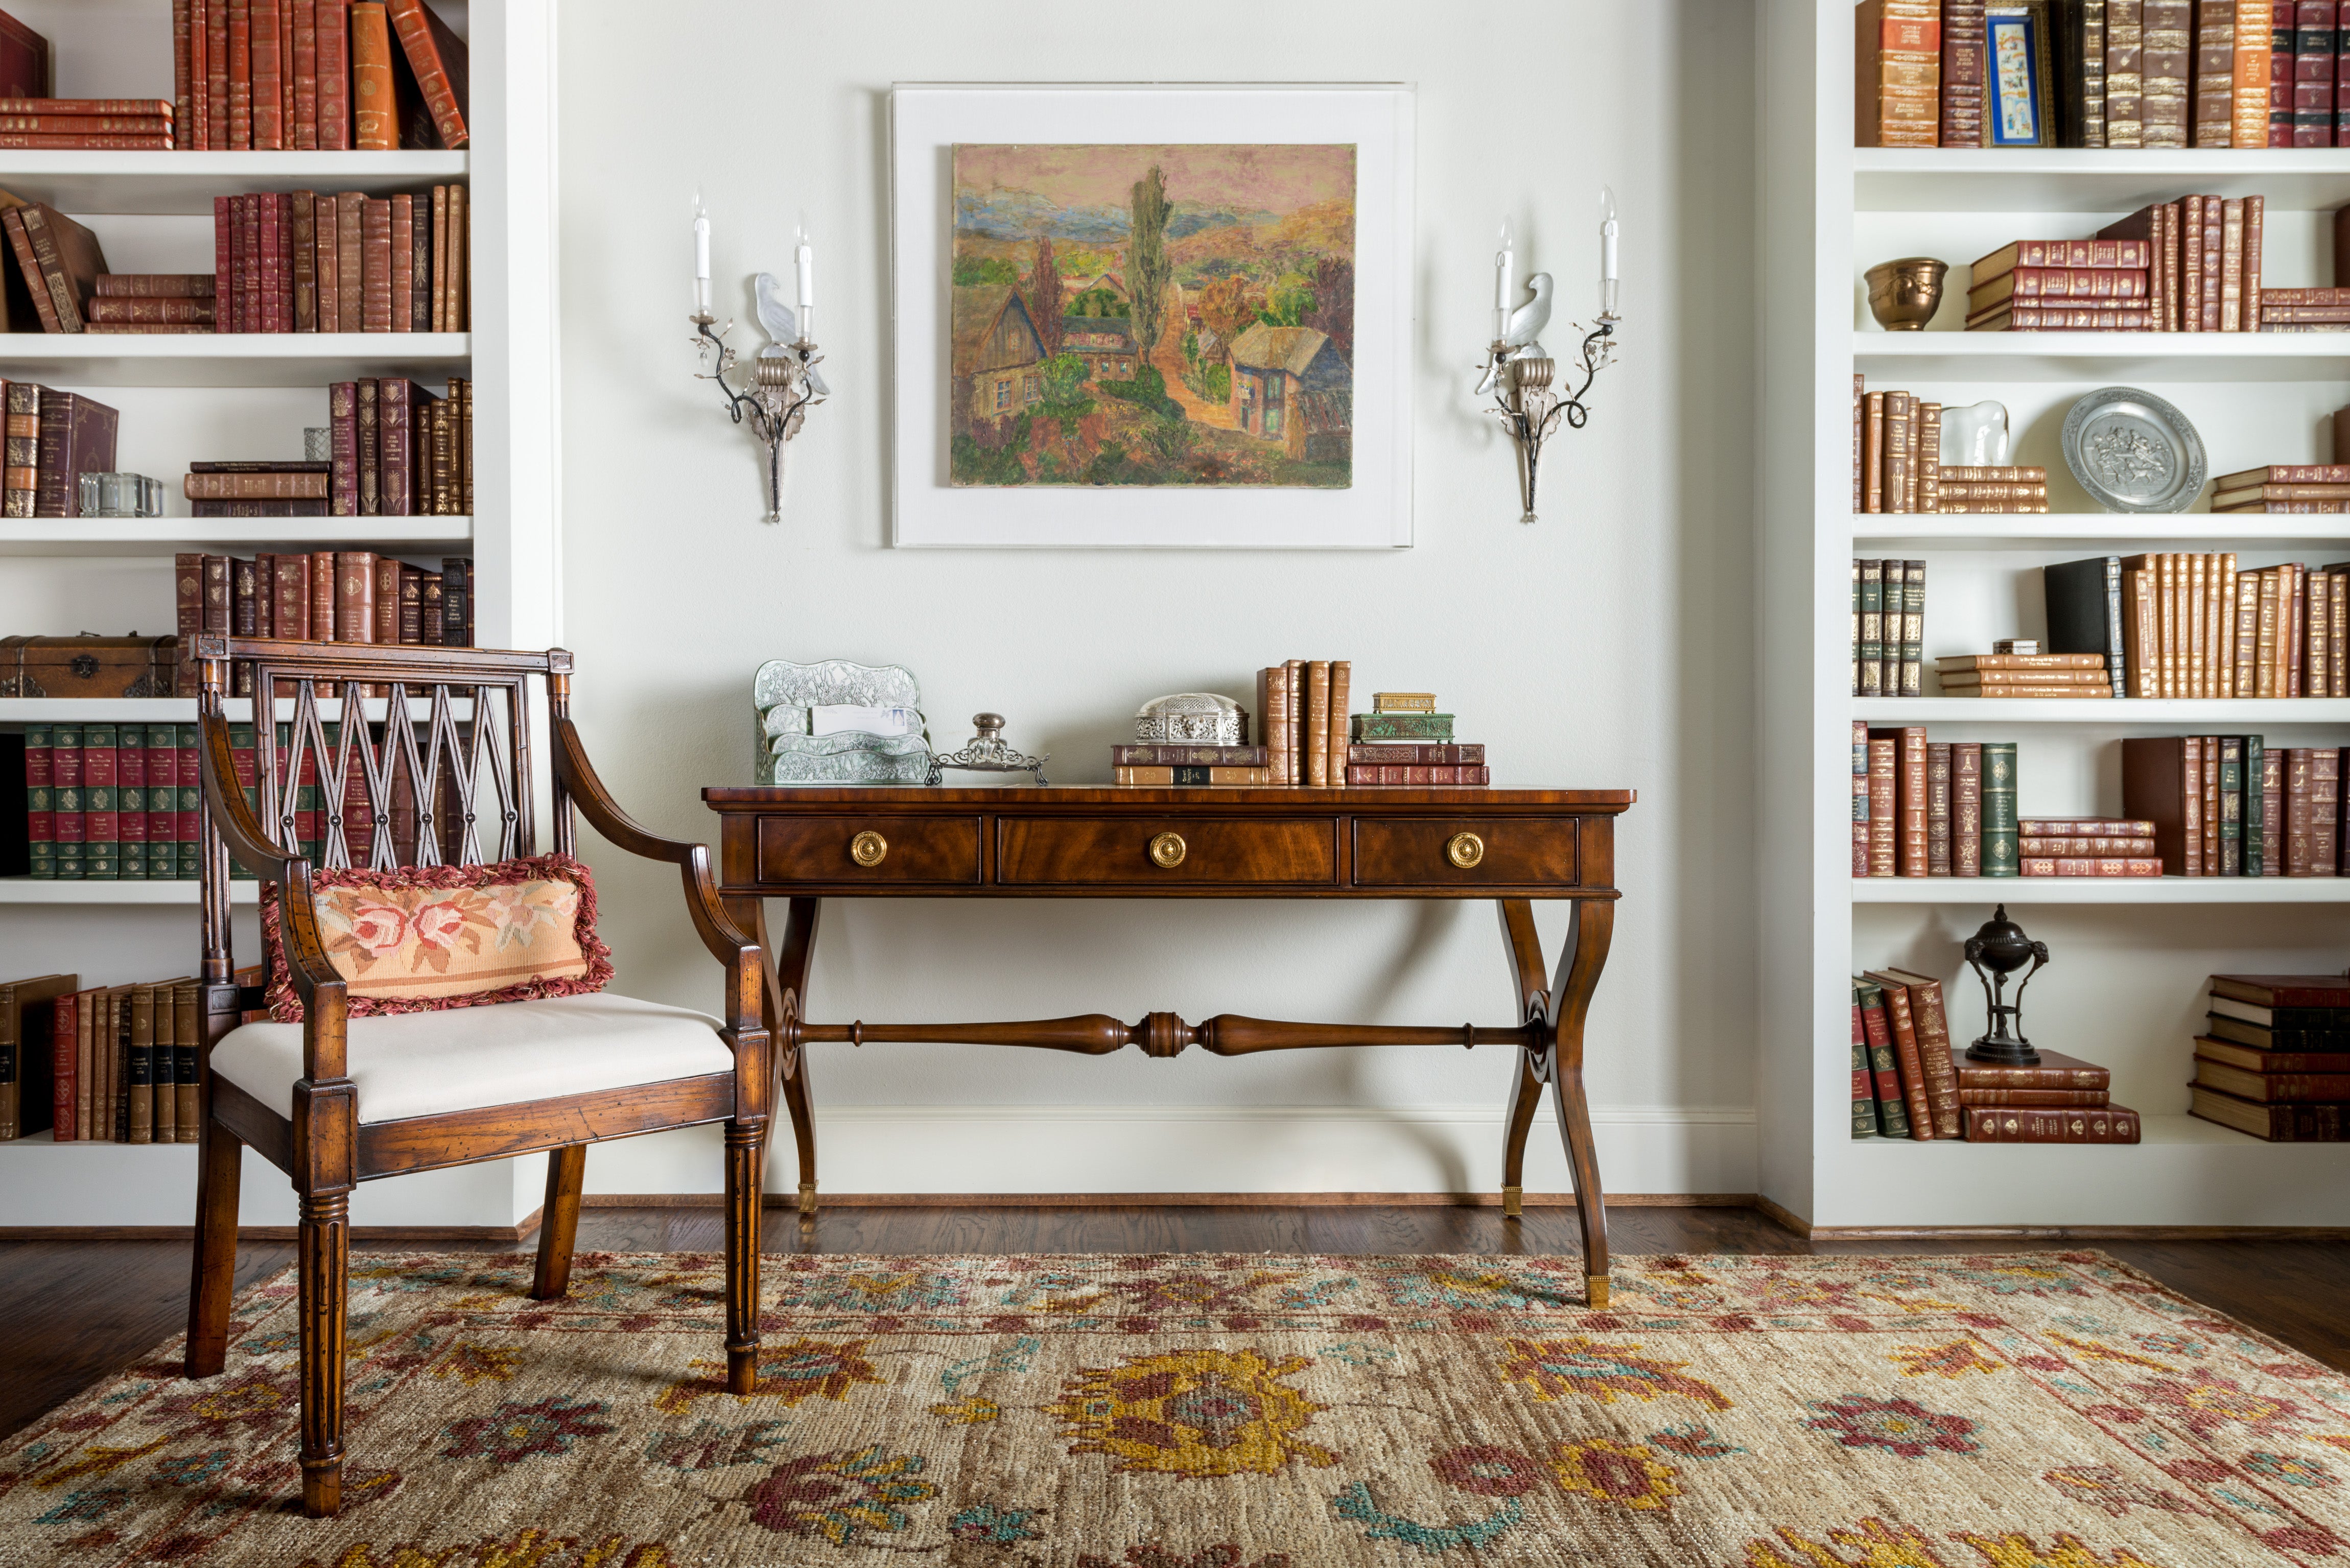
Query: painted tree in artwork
{"points": [[1333, 310], [1226, 308], [1044, 296], [1149, 268]]}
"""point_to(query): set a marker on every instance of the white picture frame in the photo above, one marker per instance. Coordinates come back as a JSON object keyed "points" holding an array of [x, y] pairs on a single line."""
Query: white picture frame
{"points": [[1373, 512]]}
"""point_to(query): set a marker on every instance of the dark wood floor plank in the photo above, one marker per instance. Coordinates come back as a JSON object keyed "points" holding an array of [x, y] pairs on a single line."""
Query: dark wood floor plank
{"points": [[75, 1312]]}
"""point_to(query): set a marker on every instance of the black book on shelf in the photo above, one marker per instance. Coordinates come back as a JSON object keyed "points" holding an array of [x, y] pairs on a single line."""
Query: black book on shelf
{"points": [[2084, 612], [15, 847]]}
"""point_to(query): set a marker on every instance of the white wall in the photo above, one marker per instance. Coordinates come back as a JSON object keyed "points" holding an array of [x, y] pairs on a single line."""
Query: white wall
{"points": [[1608, 646]]}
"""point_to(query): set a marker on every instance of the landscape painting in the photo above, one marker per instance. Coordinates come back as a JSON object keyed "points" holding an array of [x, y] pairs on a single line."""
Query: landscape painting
{"points": [[1153, 315]]}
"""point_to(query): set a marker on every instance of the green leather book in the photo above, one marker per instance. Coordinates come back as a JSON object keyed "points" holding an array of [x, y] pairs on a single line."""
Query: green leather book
{"points": [[1872, 629], [1403, 726], [1999, 846], [1892, 1110], [1863, 1088], [65, 762], [131, 803], [2255, 839]]}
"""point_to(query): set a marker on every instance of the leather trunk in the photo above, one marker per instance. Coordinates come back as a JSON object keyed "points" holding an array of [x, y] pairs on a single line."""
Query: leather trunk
{"points": [[86, 666]]}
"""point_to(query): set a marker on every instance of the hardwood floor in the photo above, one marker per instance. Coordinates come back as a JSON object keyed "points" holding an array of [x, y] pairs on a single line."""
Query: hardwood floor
{"points": [[72, 1312]]}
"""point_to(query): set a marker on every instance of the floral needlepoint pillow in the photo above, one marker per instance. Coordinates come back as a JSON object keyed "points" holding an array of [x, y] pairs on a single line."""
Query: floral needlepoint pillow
{"points": [[423, 938]]}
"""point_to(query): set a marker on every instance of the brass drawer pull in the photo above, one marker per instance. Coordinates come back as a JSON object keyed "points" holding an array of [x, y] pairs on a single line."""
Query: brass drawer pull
{"points": [[1464, 850], [1167, 851], [869, 848]]}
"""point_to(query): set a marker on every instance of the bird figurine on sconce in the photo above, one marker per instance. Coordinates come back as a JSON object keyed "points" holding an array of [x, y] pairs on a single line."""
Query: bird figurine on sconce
{"points": [[785, 380], [1528, 396]]}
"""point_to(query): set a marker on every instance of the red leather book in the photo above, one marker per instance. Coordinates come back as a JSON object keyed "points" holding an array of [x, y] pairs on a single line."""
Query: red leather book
{"points": [[194, 113], [411, 604], [375, 265], [2038, 1099], [155, 286], [224, 264], [291, 583], [216, 74], [342, 423], [255, 281], [155, 141], [431, 611], [268, 78], [1903, 1023], [70, 259], [374, 126], [1892, 1109], [1909, 796], [188, 578], [269, 232], [387, 600], [370, 447], [2055, 1070], [24, 60], [240, 75], [334, 76], [354, 596], [2281, 36], [328, 261], [305, 128], [187, 311], [2313, 73], [21, 484], [286, 71], [315, 507], [350, 246], [420, 267], [2103, 1124], [183, 70], [302, 206], [399, 406], [437, 55], [403, 264], [322, 599], [77, 436], [281, 298], [1933, 1026], [65, 1066]]}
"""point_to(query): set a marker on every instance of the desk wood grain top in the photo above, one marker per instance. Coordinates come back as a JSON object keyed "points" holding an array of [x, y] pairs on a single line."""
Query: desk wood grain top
{"points": [[1093, 797]]}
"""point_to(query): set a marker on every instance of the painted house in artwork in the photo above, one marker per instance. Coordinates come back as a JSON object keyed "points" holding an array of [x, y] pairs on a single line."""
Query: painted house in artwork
{"points": [[1106, 343], [998, 357], [1291, 386], [1104, 295]]}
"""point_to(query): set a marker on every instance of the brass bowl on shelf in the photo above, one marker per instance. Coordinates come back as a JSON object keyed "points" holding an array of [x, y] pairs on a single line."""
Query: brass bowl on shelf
{"points": [[1904, 295]]}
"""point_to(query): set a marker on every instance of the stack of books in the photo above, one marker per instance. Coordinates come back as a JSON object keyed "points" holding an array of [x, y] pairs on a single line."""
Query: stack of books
{"points": [[1888, 629], [2304, 310], [1909, 1082], [1403, 742], [1168, 764], [2024, 675], [2290, 489], [53, 439], [291, 75], [110, 803], [320, 596], [305, 261], [119, 1063], [2058, 1099], [1897, 448], [2275, 1058], [27, 1008], [1938, 808], [1992, 490], [2233, 806], [1302, 705], [2086, 847], [2194, 625], [95, 124], [2071, 286]]}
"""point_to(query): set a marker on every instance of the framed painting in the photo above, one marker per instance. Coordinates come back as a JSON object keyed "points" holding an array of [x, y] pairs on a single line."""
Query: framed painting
{"points": [[1152, 317], [2021, 83]]}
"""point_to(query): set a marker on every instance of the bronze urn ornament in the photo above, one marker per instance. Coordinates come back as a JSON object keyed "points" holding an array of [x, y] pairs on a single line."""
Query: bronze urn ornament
{"points": [[1904, 295], [2001, 948]]}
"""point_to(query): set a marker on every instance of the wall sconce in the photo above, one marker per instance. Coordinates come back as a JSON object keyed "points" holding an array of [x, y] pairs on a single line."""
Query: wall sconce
{"points": [[785, 381], [1523, 378]]}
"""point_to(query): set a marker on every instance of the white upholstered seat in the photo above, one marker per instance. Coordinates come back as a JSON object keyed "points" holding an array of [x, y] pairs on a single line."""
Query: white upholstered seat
{"points": [[466, 1058]]}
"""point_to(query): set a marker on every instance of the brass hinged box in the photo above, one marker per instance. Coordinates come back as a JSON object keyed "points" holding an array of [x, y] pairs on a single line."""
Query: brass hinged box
{"points": [[86, 666]]}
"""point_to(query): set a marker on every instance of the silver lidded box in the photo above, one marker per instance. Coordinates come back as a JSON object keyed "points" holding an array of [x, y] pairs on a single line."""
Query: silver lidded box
{"points": [[1202, 718], [786, 697]]}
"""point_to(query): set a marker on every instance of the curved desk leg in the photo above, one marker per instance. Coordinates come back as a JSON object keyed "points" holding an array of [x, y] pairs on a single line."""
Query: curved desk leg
{"points": [[1570, 1001], [788, 973], [1528, 997]]}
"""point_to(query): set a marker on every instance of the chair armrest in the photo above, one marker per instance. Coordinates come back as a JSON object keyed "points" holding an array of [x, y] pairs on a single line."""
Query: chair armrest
{"points": [[313, 974], [727, 942]]}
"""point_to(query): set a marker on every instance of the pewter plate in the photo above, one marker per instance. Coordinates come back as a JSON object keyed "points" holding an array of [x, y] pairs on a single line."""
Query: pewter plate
{"points": [[2132, 451]]}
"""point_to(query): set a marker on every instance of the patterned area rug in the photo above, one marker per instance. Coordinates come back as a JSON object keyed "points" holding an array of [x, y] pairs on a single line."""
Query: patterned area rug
{"points": [[2052, 1410]]}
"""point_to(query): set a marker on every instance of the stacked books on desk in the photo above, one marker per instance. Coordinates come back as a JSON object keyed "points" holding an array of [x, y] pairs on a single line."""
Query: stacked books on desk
{"points": [[2275, 1058], [1404, 744], [1174, 764], [2024, 675]]}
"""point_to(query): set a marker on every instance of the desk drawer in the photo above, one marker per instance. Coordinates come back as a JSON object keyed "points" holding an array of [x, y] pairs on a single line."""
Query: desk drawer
{"points": [[1218, 851], [1507, 852], [828, 849]]}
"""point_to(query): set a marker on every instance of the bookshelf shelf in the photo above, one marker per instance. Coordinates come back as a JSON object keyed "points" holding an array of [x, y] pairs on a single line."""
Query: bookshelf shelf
{"points": [[20, 890], [2113, 711], [2102, 532], [2073, 180], [182, 710], [1897, 358], [2099, 890], [161, 536], [232, 358], [184, 184]]}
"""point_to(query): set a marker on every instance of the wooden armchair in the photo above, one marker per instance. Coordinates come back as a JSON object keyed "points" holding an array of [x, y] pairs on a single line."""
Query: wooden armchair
{"points": [[334, 1101]]}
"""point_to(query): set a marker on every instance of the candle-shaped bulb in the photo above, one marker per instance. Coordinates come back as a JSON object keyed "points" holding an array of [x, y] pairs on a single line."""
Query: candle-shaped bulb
{"points": [[1607, 258], [700, 256], [1504, 263], [806, 256]]}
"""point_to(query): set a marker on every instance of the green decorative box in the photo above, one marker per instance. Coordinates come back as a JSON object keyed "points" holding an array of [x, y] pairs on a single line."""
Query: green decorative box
{"points": [[1403, 726]]}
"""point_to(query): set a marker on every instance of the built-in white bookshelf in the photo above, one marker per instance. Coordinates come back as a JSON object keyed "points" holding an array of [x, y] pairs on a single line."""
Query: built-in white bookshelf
{"points": [[2125, 986], [251, 396]]}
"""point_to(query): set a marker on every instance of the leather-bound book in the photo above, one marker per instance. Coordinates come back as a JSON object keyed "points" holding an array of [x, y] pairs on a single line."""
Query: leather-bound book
{"points": [[1314, 745], [302, 209], [1963, 46], [1873, 452], [370, 447], [386, 601], [211, 17], [343, 445], [1884, 1073], [373, 126], [403, 264], [224, 264], [2252, 807], [66, 825], [78, 435], [460, 266], [1860, 797], [185, 1048], [323, 596], [2125, 73], [437, 55], [1937, 808], [2149, 224], [2325, 811], [354, 596], [440, 258], [67, 1026], [2055, 1070], [428, 625], [286, 71], [2232, 267], [375, 265], [2103, 1124], [1912, 667], [1999, 785], [268, 484], [437, 444], [2229, 795], [409, 628], [1932, 1024], [2282, 34], [2312, 98], [2190, 272], [2036, 1099], [240, 75], [20, 483], [2214, 64], [102, 826], [184, 66], [187, 583], [302, 133], [1901, 1021], [334, 76], [1897, 451], [268, 78], [1910, 804], [139, 1063], [2255, 223], [2318, 1122], [2167, 61], [1342, 680], [269, 229], [2215, 250], [2255, 39], [252, 280], [466, 452], [2081, 72], [1884, 807], [2162, 782], [326, 226], [420, 265], [290, 590], [315, 507], [163, 1067], [1966, 808], [69, 258], [457, 607], [1897, 92], [150, 312], [1864, 1086], [350, 259]]}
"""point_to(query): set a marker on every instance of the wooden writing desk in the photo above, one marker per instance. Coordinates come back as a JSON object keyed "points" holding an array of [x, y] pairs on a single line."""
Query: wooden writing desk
{"points": [[808, 844]]}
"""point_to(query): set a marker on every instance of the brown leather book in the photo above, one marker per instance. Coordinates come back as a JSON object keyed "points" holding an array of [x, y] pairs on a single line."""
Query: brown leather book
{"points": [[212, 15], [440, 258], [343, 436], [1962, 47], [323, 596], [2055, 1070], [187, 583], [439, 423], [429, 624], [1925, 461], [286, 69], [268, 77], [465, 448], [1315, 744], [461, 266], [1909, 794], [386, 601], [1903, 1022], [1898, 90], [411, 627], [1342, 680], [2231, 265], [2249, 107], [69, 258], [370, 447], [2255, 222], [350, 262], [420, 267], [292, 585], [269, 484], [2103, 1124], [373, 125], [2034, 1100], [163, 1067], [20, 484], [2190, 273], [1897, 451], [334, 76], [302, 207], [1937, 808], [302, 133], [188, 312], [401, 408], [2125, 73], [2162, 782], [328, 262], [437, 55], [186, 1045], [1933, 1027], [2215, 73], [185, 68], [403, 264], [2215, 238], [1873, 452], [240, 76], [2291, 1123], [1966, 808], [1884, 797], [375, 267], [87, 1033], [354, 596], [78, 435], [154, 286], [139, 1076]]}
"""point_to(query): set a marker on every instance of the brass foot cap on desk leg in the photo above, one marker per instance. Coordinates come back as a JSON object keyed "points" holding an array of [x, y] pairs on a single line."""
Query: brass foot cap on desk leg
{"points": [[1513, 1202], [807, 1197], [1595, 1288]]}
